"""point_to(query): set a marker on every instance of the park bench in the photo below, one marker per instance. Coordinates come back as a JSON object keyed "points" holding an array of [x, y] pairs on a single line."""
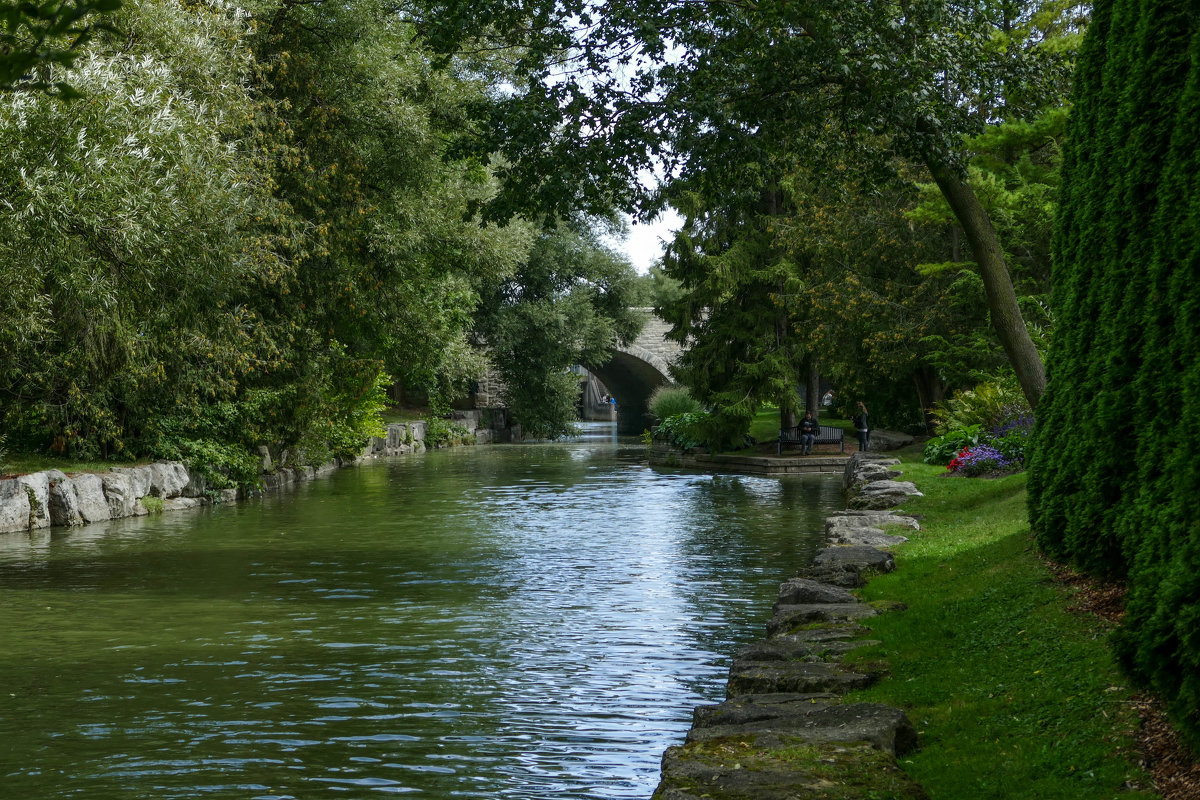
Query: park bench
{"points": [[827, 435]]}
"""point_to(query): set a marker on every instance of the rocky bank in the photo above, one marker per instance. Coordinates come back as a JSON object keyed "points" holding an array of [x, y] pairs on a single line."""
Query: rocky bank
{"points": [[785, 732]]}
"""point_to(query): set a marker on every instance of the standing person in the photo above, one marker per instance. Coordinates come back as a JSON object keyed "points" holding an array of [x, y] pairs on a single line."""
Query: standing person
{"points": [[863, 426], [809, 429]]}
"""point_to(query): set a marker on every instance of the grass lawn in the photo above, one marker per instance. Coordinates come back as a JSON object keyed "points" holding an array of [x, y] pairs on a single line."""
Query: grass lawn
{"points": [[1014, 695], [25, 463], [403, 414]]}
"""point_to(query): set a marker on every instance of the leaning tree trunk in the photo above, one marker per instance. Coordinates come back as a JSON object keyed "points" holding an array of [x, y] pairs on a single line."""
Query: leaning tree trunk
{"points": [[997, 282]]}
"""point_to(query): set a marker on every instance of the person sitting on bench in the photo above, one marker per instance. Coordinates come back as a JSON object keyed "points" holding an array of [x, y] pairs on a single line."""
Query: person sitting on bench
{"points": [[809, 431]]}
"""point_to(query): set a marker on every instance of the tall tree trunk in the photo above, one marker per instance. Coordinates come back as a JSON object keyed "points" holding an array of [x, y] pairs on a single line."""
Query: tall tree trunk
{"points": [[997, 282], [930, 390], [787, 403], [812, 393]]}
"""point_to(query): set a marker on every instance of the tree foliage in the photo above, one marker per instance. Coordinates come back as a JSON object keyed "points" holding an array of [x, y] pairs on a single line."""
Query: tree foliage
{"points": [[608, 89], [36, 37], [1115, 485], [245, 224], [566, 304]]}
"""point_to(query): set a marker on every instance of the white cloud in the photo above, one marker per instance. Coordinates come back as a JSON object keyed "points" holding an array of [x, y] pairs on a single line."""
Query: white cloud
{"points": [[646, 241]]}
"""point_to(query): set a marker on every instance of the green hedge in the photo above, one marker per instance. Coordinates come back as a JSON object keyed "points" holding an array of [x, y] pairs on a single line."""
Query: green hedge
{"points": [[1115, 477]]}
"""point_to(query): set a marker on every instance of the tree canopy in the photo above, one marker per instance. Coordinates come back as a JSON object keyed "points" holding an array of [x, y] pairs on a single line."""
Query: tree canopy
{"points": [[606, 91]]}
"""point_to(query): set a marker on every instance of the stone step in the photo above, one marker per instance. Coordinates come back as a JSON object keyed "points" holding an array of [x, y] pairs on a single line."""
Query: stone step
{"points": [[790, 617], [773, 677], [773, 766], [813, 717], [800, 647]]}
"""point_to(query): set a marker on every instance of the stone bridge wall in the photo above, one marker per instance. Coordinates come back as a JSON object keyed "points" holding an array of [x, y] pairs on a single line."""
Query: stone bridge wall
{"points": [[653, 338]]}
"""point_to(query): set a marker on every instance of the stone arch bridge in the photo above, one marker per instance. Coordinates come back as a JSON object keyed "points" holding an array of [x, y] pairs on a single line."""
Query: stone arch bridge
{"points": [[633, 372], [637, 369]]}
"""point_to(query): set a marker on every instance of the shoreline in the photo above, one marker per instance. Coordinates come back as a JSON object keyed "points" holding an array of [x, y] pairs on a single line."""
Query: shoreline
{"points": [[53, 499], [785, 731]]}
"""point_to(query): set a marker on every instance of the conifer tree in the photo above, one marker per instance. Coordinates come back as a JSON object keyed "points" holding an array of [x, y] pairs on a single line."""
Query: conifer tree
{"points": [[1115, 483]]}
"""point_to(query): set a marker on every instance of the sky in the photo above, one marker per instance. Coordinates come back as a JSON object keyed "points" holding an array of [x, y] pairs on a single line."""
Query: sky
{"points": [[645, 243]]}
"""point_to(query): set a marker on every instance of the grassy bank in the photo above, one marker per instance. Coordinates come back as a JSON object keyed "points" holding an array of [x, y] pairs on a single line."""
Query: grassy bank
{"points": [[1014, 695]]}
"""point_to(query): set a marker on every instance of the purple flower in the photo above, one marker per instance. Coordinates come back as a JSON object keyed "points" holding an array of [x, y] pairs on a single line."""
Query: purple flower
{"points": [[1022, 423], [979, 459]]}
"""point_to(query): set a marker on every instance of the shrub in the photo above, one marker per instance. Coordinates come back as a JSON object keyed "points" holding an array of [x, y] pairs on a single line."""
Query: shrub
{"points": [[1012, 439], [669, 400], [988, 405], [941, 449], [443, 433], [684, 431]]}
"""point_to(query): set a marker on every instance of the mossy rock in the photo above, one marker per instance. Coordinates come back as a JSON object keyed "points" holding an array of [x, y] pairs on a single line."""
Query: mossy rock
{"points": [[780, 767]]}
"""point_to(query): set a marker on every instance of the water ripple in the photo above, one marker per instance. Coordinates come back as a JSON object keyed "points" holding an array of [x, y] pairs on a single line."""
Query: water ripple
{"points": [[527, 622]]}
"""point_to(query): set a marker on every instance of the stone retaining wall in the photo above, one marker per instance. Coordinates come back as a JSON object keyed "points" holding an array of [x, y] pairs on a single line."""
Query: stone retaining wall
{"points": [[50, 497], [662, 454], [785, 732]]}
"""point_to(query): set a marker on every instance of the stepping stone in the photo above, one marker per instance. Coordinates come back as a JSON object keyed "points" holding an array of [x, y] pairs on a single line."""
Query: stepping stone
{"points": [[772, 677], [769, 766], [815, 718], [803, 646], [790, 617], [856, 557], [797, 591]]}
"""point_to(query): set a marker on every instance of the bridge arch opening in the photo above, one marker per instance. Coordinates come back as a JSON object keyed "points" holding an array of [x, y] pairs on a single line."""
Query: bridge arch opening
{"points": [[631, 375]]}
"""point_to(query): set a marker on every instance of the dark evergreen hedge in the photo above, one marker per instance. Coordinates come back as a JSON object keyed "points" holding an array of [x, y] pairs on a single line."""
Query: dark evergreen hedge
{"points": [[1115, 476]]}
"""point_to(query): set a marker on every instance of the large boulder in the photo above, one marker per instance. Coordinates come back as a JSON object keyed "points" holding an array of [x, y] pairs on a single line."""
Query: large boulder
{"points": [[858, 558], [37, 486], [873, 537], [766, 677], [140, 479], [781, 766], [869, 519], [860, 461], [170, 478], [814, 644], [14, 506], [790, 617], [881, 494], [796, 591], [121, 493], [889, 440], [93, 505], [64, 502]]}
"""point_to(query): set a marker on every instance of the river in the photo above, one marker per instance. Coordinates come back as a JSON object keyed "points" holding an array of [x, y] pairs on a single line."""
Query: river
{"points": [[528, 621]]}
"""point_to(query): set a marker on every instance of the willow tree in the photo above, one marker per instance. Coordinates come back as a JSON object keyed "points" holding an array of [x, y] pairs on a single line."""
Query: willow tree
{"points": [[35, 39], [609, 90]]}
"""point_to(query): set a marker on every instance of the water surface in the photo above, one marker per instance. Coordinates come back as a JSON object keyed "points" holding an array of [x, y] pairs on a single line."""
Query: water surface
{"points": [[527, 621]]}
